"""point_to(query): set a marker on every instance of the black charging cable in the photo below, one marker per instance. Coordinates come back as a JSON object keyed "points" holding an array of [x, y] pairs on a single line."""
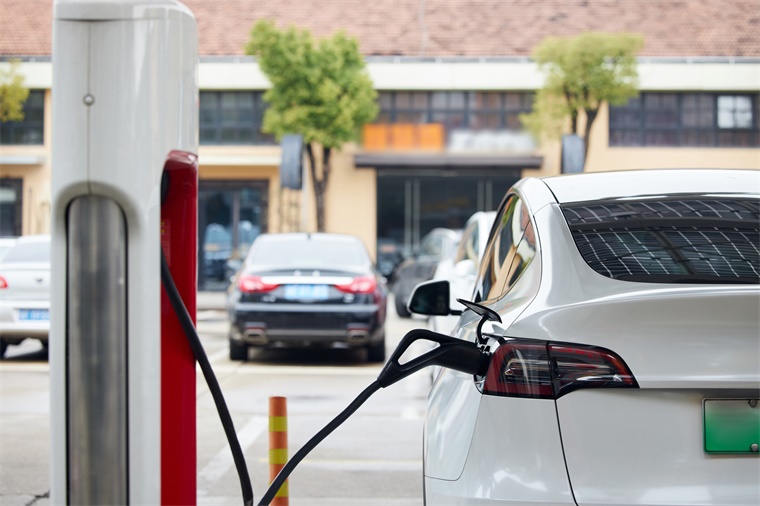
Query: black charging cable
{"points": [[213, 385], [452, 353]]}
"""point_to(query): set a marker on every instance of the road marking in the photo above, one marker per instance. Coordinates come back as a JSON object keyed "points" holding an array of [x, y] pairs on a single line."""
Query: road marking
{"points": [[361, 465], [222, 461], [218, 355], [308, 370]]}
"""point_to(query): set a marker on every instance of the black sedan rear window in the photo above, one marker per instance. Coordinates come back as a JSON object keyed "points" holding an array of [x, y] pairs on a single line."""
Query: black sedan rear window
{"points": [[314, 252], [693, 239]]}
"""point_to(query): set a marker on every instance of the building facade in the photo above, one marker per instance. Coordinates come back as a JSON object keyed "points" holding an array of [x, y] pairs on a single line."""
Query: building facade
{"points": [[452, 78]]}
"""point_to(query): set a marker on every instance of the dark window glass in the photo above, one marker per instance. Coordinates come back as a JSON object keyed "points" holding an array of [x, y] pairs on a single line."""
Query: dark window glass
{"points": [[232, 117], [457, 100], [676, 240], [31, 129], [686, 119], [439, 100], [385, 100], [11, 196], [488, 110], [500, 252], [487, 100], [485, 120]]}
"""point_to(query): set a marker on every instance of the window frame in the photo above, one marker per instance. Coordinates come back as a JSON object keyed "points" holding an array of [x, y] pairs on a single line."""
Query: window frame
{"points": [[510, 104], [712, 136], [247, 125], [9, 129]]}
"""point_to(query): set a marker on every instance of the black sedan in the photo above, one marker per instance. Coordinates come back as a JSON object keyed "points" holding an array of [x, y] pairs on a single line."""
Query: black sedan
{"points": [[304, 290]]}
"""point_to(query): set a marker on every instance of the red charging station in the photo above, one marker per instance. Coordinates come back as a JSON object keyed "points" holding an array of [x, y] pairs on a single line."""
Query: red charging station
{"points": [[179, 243]]}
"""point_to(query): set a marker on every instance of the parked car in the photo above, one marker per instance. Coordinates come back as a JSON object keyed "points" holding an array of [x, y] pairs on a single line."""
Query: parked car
{"points": [[25, 292], [307, 290], [217, 249], [626, 367], [436, 245], [460, 270], [6, 244]]}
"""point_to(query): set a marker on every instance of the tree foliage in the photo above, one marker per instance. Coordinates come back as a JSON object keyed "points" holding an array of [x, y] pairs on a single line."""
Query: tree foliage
{"points": [[13, 93], [582, 73], [320, 89]]}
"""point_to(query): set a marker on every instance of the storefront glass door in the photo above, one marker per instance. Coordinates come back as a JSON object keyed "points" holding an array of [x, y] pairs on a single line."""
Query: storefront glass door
{"points": [[230, 216], [411, 205]]}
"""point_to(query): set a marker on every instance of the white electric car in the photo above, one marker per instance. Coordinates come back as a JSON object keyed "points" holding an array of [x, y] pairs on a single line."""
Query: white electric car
{"points": [[626, 367]]}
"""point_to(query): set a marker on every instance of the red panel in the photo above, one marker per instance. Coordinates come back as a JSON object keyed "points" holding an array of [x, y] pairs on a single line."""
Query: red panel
{"points": [[179, 240]]}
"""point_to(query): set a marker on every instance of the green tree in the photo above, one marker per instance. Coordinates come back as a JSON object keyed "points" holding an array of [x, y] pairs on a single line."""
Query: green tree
{"points": [[582, 73], [320, 89], [13, 94]]}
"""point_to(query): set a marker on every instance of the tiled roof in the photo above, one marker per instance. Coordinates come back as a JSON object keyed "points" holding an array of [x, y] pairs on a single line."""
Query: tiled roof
{"points": [[676, 28]]}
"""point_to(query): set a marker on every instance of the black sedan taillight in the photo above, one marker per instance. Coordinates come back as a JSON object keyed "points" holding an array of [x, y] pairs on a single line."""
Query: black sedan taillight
{"points": [[549, 370]]}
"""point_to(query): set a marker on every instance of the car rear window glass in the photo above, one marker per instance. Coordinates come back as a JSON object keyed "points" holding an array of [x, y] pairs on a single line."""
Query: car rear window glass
{"points": [[670, 240], [296, 252], [29, 252]]}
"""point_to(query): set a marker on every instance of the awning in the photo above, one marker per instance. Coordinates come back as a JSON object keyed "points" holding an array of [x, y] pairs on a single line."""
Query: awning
{"points": [[445, 161]]}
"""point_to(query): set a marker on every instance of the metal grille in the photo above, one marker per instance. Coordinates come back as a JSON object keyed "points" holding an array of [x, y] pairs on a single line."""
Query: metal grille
{"points": [[686, 240]]}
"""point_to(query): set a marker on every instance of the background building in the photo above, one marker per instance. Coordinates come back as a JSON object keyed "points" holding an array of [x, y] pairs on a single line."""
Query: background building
{"points": [[452, 76]]}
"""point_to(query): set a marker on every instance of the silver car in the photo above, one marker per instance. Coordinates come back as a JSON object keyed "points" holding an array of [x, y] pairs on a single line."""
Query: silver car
{"points": [[25, 292]]}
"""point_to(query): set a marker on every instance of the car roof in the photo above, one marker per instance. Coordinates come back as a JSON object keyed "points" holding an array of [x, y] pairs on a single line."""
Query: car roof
{"points": [[635, 183], [299, 236]]}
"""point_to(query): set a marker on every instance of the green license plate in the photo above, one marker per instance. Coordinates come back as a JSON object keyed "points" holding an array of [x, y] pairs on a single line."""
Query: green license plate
{"points": [[731, 425]]}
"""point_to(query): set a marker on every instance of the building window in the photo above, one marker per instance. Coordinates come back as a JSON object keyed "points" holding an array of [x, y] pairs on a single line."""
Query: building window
{"points": [[686, 119], [10, 207], [473, 110], [232, 117], [31, 129]]}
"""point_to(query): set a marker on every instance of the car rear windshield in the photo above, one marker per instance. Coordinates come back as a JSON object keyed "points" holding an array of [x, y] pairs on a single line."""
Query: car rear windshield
{"points": [[29, 252], [300, 253], [695, 239]]}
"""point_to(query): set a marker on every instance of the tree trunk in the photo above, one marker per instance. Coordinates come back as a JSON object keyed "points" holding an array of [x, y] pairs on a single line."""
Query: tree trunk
{"points": [[590, 118], [319, 183]]}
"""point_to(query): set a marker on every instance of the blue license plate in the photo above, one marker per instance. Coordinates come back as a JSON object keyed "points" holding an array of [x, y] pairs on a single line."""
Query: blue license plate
{"points": [[34, 315], [306, 292]]}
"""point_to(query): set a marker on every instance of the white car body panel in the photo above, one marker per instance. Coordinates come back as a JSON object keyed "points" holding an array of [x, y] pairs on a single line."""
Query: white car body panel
{"points": [[663, 460], [684, 343], [634, 183], [513, 460], [453, 410]]}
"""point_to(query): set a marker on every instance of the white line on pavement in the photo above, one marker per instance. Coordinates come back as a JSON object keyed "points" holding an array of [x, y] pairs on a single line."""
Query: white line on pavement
{"points": [[222, 461]]}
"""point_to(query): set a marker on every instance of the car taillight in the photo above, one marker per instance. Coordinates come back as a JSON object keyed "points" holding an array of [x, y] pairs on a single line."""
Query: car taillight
{"points": [[255, 284], [3, 283], [547, 370], [361, 284]]}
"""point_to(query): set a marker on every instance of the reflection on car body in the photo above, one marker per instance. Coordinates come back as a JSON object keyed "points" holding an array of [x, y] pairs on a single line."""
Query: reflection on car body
{"points": [[436, 245], [307, 290], [629, 306]]}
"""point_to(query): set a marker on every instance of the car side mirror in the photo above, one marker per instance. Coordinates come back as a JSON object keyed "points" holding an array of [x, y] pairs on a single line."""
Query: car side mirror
{"points": [[432, 298]]}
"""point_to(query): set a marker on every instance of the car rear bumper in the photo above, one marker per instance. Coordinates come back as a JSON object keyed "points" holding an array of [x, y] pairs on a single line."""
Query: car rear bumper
{"points": [[301, 325], [13, 329]]}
